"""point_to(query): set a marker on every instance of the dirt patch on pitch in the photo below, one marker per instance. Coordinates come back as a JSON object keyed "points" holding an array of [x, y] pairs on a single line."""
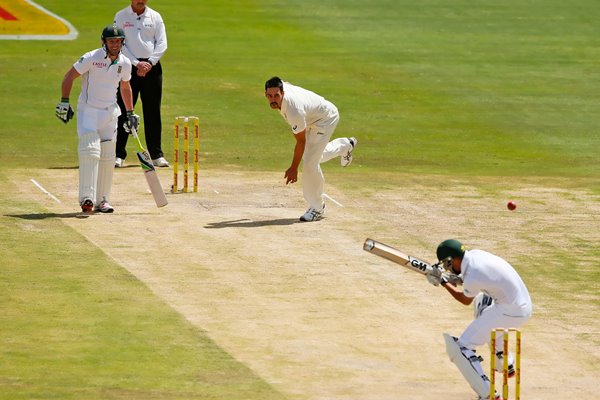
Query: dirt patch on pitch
{"points": [[313, 314]]}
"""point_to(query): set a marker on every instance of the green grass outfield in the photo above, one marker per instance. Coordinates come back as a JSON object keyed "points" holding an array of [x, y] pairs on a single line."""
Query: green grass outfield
{"points": [[452, 88], [482, 88]]}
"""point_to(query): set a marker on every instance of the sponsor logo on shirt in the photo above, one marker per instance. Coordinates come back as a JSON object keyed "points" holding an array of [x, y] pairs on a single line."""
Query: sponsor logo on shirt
{"points": [[119, 70], [295, 127], [99, 64], [128, 24]]}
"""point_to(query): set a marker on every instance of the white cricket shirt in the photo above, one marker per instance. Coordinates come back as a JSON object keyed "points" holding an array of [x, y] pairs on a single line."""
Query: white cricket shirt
{"points": [[145, 34], [485, 272], [301, 108], [100, 77]]}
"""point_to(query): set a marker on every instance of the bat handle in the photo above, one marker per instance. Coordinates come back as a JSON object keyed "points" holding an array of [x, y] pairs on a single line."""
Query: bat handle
{"points": [[135, 135], [369, 245]]}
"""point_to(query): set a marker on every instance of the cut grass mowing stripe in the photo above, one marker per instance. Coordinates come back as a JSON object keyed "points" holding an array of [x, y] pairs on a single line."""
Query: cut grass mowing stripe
{"points": [[76, 325]]}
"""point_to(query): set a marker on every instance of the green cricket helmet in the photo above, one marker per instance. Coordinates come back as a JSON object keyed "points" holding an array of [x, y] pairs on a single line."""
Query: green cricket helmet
{"points": [[112, 31], [450, 248]]}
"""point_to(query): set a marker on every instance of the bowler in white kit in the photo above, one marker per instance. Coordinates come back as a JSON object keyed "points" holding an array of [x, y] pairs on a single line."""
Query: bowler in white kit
{"points": [[313, 121]]}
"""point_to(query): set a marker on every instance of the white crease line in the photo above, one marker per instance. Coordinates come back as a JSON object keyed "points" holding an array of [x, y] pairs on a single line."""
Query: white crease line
{"points": [[44, 190], [332, 199], [216, 191]]}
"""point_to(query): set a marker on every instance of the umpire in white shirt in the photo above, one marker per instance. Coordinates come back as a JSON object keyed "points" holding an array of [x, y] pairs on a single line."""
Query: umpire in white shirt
{"points": [[146, 43]]}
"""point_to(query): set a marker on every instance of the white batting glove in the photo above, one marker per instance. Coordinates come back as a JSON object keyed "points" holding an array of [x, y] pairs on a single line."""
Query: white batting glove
{"points": [[64, 112], [435, 276], [453, 279], [132, 122]]}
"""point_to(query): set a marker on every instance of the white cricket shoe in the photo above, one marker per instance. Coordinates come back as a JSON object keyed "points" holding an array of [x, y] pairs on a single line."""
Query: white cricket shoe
{"points": [[313, 214], [87, 206], [496, 397], [119, 162], [160, 162], [104, 207], [347, 158]]}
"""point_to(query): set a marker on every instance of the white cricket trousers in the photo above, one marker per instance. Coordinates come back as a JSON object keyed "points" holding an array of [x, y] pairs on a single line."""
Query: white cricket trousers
{"points": [[318, 149], [494, 316], [97, 130]]}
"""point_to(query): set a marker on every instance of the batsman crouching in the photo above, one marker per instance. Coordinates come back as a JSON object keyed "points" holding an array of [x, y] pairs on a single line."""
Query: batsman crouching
{"points": [[103, 71], [501, 300]]}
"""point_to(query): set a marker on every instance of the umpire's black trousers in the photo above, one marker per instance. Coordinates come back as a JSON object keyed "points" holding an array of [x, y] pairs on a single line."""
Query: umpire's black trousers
{"points": [[149, 88]]}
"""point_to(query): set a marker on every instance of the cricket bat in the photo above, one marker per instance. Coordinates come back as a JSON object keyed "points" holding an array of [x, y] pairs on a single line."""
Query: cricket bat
{"points": [[394, 255], [150, 173]]}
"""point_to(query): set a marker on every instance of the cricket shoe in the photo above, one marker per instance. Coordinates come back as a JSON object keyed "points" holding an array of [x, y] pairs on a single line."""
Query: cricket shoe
{"points": [[312, 214], [119, 162], [511, 367], [347, 158], [496, 397], [511, 371], [87, 206], [160, 162], [104, 207]]}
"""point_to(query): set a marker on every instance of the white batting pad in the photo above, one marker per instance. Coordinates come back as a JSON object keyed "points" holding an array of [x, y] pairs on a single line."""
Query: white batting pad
{"points": [[106, 169], [89, 157], [469, 366]]}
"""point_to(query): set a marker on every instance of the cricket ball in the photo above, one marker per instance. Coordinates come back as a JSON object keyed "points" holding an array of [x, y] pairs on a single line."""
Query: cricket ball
{"points": [[511, 205]]}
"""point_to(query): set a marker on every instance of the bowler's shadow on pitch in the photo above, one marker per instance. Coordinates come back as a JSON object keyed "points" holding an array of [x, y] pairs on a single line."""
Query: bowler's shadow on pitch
{"points": [[248, 223], [47, 215]]}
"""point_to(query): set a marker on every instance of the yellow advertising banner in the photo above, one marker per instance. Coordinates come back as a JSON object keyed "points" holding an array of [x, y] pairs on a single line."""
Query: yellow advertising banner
{"points": [[26, 20]]}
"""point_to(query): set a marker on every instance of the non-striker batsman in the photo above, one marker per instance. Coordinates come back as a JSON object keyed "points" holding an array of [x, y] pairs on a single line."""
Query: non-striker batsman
{"points": [[103, 71]]}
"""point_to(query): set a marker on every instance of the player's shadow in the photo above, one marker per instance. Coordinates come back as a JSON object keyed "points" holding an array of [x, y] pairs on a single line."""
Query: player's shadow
{"points": [[248, 223], [77, 166], [65, 167], [48, 215]]}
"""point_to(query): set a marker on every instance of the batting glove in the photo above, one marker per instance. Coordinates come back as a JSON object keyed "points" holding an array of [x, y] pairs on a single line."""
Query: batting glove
{"points": [[435, 277], [453, 279], [64, 112], [132, 123]]}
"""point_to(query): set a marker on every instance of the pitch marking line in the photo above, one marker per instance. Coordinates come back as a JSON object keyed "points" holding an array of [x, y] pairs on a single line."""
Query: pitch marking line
{"points": [[332, 199], [44, 190]]}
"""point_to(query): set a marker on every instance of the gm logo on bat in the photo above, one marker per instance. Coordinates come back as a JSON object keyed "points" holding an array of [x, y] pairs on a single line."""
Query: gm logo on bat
{"points": [[421, 265]]}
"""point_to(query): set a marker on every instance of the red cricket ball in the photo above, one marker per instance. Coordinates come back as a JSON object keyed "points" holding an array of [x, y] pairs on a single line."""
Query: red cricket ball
{"points": [[511, 205]]}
